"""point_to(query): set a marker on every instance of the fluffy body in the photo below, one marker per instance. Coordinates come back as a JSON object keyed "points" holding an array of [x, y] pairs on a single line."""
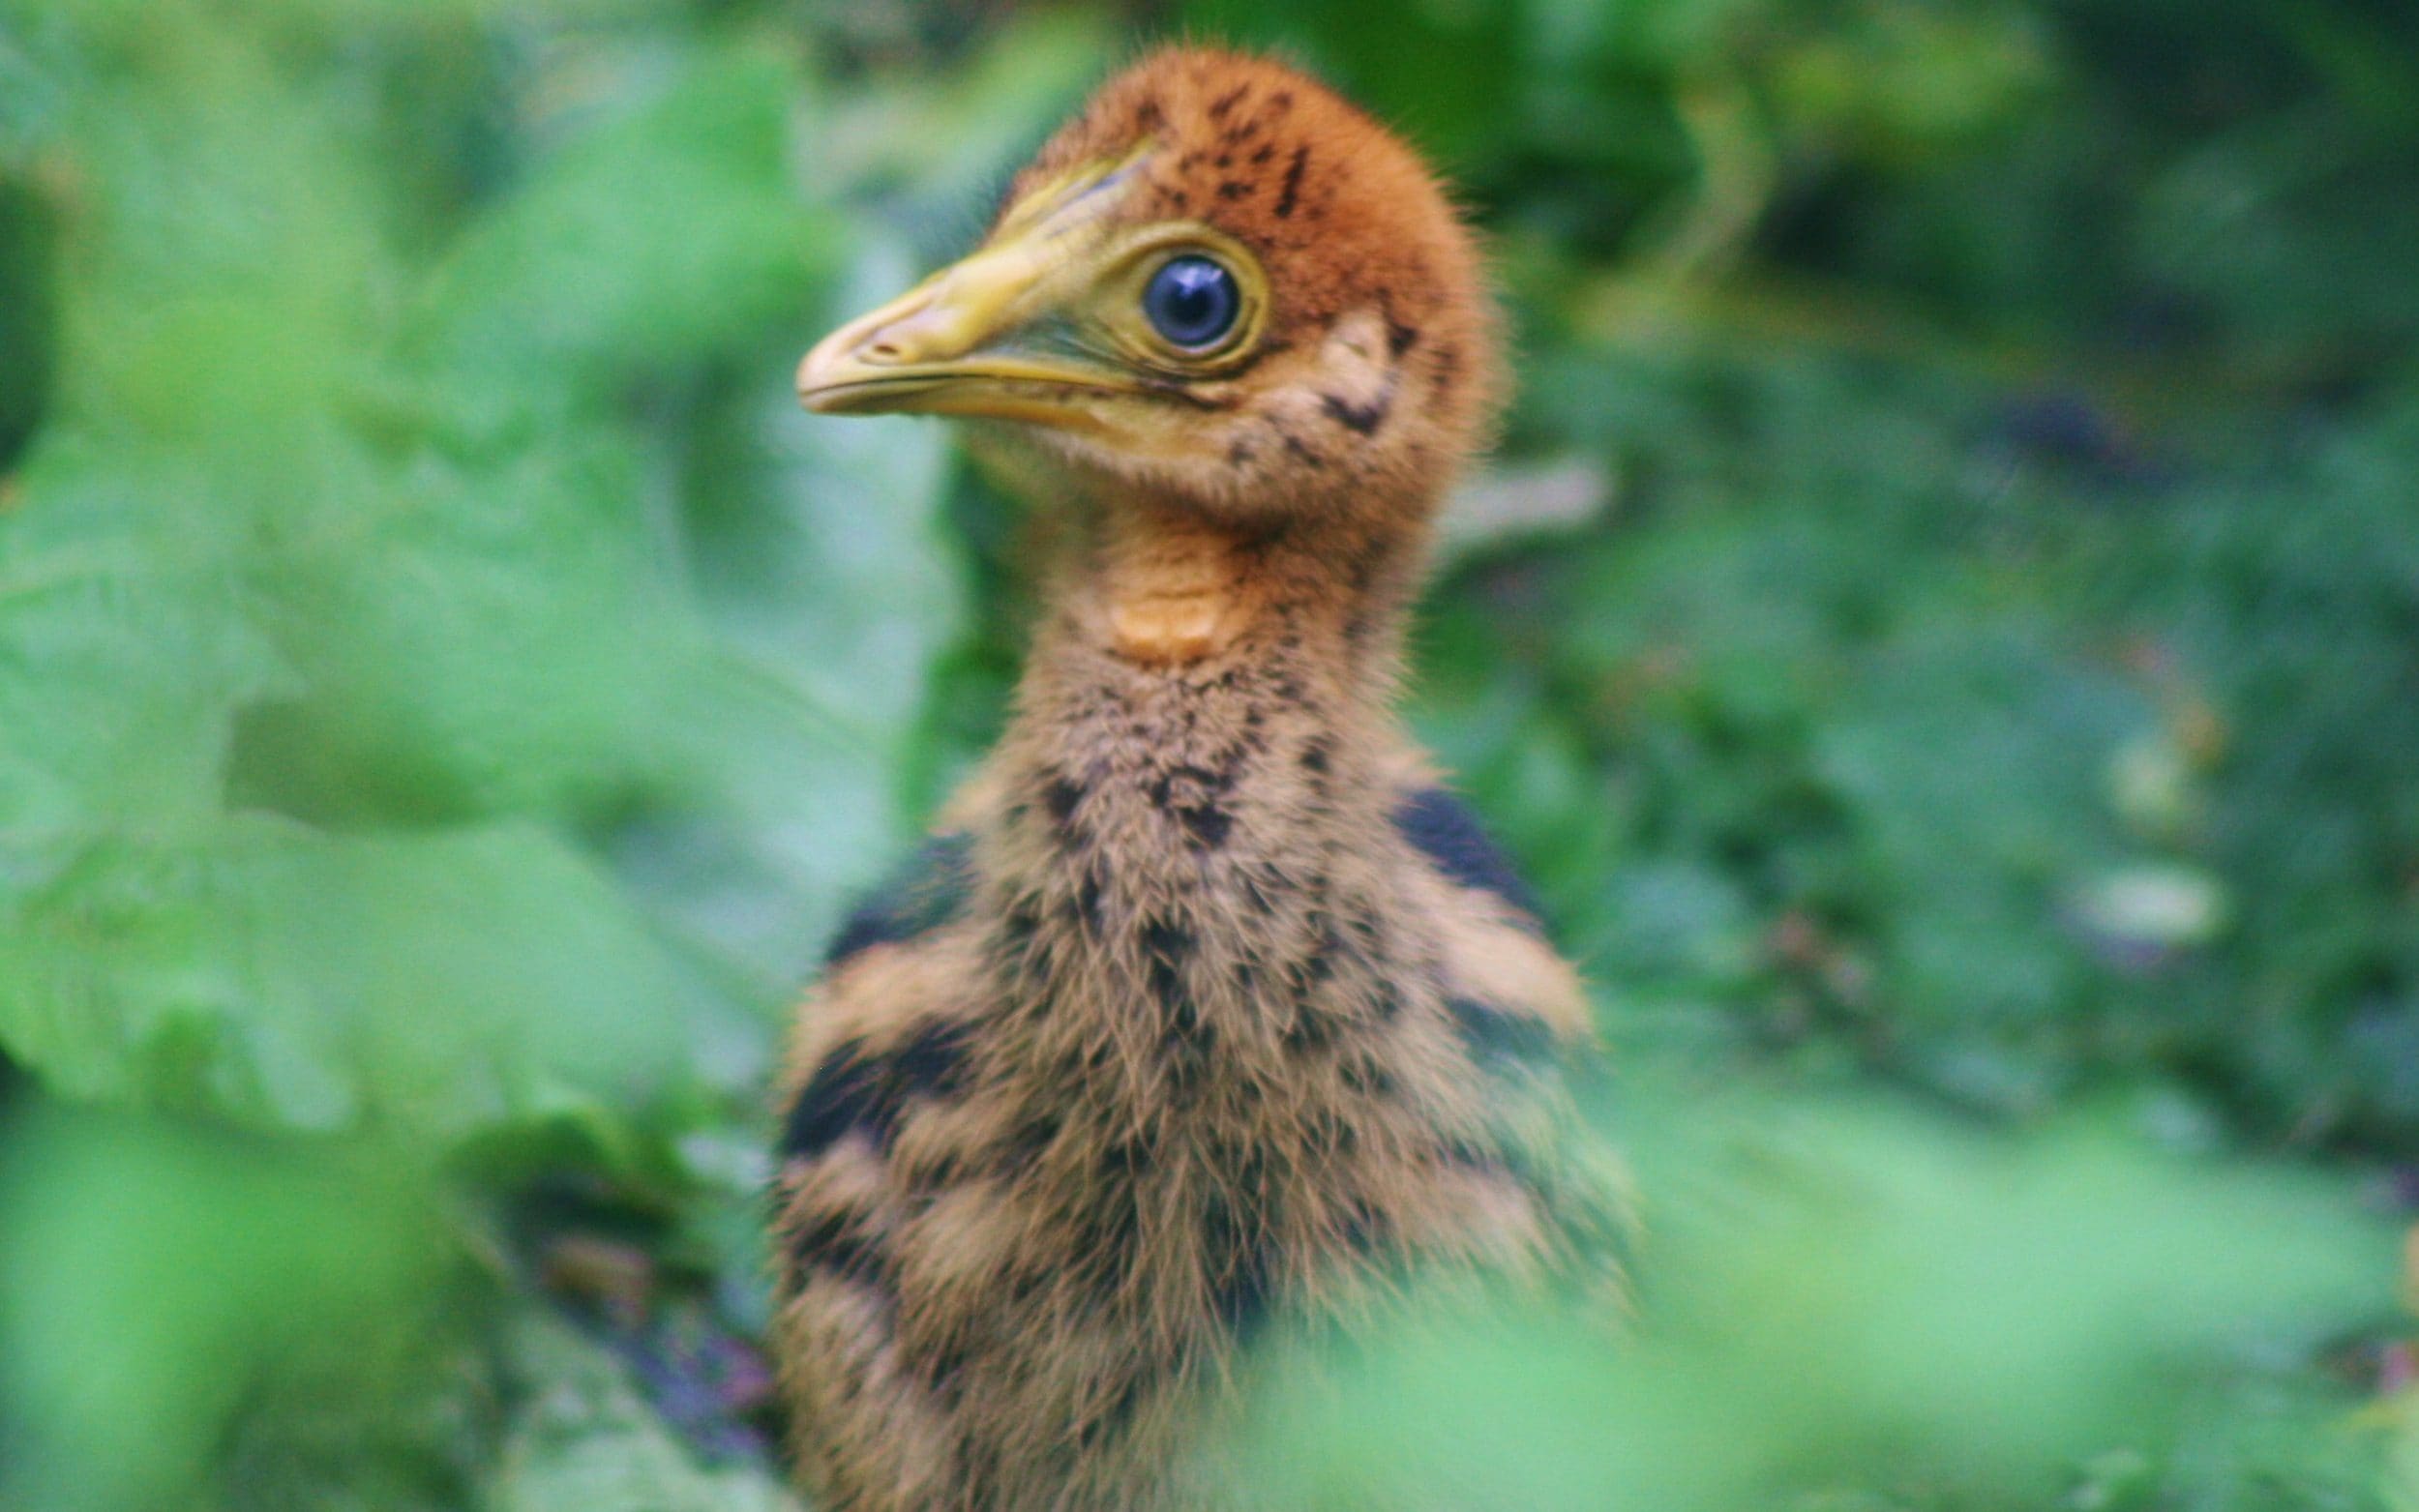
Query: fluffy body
{"points": [[1208, 1013]]}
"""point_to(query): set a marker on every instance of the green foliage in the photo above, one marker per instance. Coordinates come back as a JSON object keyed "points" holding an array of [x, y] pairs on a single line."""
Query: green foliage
{"points": [[1845, 1303], [1941, 633], [152, 1281], [587, 1438]]}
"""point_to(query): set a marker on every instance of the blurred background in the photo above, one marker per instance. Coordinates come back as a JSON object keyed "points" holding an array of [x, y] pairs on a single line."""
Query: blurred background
{"points": [[1942, 629]]}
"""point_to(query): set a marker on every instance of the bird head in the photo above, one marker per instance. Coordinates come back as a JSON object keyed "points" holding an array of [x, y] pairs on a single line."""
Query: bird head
{"points": [[1221, 289]]}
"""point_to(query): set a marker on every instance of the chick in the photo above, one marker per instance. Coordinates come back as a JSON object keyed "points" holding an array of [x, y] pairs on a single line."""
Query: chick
{"points": [[1207, 1012]]}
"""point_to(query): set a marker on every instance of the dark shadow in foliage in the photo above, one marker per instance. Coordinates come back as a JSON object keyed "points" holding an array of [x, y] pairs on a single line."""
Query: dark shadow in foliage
{"points": [[28, 314]]}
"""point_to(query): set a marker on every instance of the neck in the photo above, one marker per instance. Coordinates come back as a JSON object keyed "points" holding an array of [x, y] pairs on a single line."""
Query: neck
{"points": [[1167, 593], [1190, 788]]}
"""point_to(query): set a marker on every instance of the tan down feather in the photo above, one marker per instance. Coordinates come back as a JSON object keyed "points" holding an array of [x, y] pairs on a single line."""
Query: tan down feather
{"points": [[1192, 1032]]}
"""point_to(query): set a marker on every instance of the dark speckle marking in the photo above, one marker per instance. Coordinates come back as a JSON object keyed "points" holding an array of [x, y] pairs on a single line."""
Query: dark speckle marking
{"points": [[1329, 945], [1469, 1155], [1112, 1235], [1361, 419], [1240, 1265], [1197, 804], [1448, 368], [1168, 946], [1292, 189], [1509, 1163], [1363, 921], [1368, 1078], [1024, 913], [1301, 453], [1263, 151], [937, 1365], [1314, 756], [1365, 1230], [1442, 828], [1500, 1039], [1313, 1029], [1114, 1418], [837, 1243], [1219, 106], [1124, 1159], [935, 1171], [1208, 824], [1399, 338], [1030, 1140], [1062, 796], [1016, 931], [1233, 189], [1389, 1004], [929, 890]]}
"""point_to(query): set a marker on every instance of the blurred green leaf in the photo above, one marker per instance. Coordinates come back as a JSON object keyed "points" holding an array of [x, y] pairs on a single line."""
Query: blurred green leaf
{"points": [[155, 1284], [659, 239], [1850, 1299]]}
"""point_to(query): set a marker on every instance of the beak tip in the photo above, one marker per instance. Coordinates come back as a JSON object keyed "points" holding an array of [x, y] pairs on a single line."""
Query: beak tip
{"points": [[818, 382]]}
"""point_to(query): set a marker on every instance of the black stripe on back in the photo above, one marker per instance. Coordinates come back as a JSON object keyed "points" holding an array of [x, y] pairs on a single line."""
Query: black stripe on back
{"points": [[1442, 829], [856, 1092], [925, 892]]}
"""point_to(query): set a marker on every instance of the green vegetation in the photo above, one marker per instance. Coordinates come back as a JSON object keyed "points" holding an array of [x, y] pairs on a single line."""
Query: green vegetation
{"points": [[1943, 633]]}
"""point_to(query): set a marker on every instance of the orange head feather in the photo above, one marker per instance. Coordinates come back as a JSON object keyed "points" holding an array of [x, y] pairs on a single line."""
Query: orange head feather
{"points": [[1221, 289]]}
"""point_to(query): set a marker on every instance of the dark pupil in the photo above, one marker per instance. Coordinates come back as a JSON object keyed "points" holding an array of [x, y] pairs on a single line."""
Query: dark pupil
{"points": [[1192, 300]]}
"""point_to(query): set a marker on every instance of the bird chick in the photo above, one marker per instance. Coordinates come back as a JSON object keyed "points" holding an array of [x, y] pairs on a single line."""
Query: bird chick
{"points": [[1208, 1011]]}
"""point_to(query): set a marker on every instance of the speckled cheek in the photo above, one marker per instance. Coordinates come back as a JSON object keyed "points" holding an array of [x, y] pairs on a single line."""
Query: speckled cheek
{"points": [[1356, 374]]}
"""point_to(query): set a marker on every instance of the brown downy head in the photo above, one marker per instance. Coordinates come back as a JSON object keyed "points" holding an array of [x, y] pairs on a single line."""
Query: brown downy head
{"points": [[1221, 292]]}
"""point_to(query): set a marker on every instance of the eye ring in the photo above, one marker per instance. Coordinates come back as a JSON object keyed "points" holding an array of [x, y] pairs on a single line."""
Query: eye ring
{"points": [[1194, 302]]}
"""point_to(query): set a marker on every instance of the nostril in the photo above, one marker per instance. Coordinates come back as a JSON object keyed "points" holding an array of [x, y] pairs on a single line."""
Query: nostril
{"points": [[886, 351]]}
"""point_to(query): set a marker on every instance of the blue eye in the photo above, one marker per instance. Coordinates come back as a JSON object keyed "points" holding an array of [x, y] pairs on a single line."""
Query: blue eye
{"points": [[1193, 301]]}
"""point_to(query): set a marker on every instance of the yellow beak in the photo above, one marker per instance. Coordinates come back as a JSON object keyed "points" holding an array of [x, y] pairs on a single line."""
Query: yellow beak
{"points": [[987, 337]]}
